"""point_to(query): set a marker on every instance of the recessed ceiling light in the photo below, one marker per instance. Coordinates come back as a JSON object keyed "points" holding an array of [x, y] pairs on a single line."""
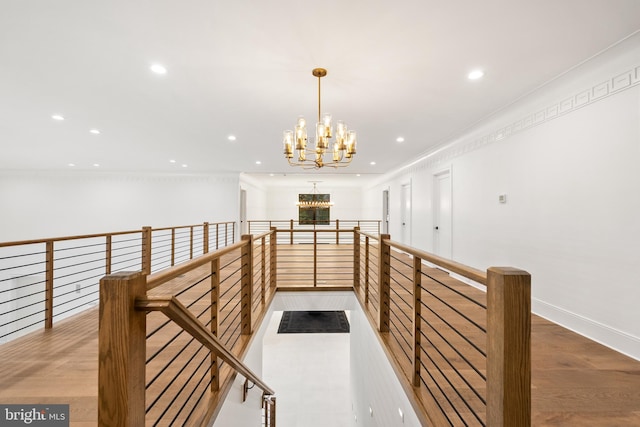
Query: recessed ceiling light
{"points": [[372, 163], [357, 174], [184, 166], [258, 162], [72, 165], [271, 174], [172, 161], [399, 139], [231, 137], [57, 117], [158, 69], [95, 131], [475, 74], [97, 165]]}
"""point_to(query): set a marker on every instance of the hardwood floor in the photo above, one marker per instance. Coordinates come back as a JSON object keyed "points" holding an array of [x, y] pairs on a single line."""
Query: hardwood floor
{"points": [[578, 382], [575, 381], [59, 365]]}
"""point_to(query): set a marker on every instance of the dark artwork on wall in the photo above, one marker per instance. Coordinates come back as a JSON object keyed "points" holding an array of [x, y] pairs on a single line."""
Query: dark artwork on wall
{"points": [[313, 214]]}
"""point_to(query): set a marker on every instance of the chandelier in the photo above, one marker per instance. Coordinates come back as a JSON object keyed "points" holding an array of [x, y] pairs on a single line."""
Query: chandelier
{"points": [[344, 146], [314, 200]]}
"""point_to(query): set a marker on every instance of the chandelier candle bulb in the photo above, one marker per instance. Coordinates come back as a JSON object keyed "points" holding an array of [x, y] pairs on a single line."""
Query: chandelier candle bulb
{"points": [[326, 121], [301, 134], [336, 152], [319, 135], [351, 144], [341, 133], [343, 148], [288, 141]]}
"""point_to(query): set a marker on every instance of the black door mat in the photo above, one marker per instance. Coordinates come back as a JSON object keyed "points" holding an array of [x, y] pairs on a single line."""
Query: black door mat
{"points": [[313, 322]]}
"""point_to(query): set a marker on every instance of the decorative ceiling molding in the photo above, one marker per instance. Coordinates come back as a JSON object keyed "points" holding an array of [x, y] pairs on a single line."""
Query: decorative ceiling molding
{"points": [[618, 83]]}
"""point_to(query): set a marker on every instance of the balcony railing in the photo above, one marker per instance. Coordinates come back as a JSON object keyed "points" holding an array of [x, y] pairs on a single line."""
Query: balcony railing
{"points": [[371, 226], [171, 342], [466, 351], [45, 280], [463, 351]]}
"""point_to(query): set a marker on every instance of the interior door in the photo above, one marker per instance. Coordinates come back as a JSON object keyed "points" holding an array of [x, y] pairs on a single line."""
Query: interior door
{"points": [[243, 212], [385, 212], [442, 214], [406, 214]]}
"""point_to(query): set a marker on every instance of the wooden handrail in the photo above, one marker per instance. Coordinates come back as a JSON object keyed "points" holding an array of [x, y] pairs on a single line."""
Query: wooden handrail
{"points": [[91, 236], [456, 267], [190, 225], [260, 236], [157, 279], [177, 312], [60, 239], [372, 236], [333, 220], [313, 230]]}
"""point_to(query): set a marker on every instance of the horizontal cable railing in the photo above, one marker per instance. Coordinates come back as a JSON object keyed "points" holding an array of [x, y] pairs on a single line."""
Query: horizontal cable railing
{"points": [[193, 323], [367, 226], [466, 351], [46, 280], [320, 257]]}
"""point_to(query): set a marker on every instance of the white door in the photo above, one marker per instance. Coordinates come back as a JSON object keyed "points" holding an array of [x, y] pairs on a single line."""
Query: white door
{"points": [[405, 215], [442, 214], [385, 212], [244, 229]]}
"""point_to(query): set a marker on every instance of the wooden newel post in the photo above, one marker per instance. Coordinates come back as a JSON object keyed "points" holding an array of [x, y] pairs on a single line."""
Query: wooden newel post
{"points": [[273, 257], [384, 282], [215, 320], [246, 290], [173, 247], [48, 291], [356, 257], [366, 270], [263, 268], [291, 232], [191, 242], [417, 319], [122, 344], [315, 256], [508, 347], [146, 250], [205, 238]]}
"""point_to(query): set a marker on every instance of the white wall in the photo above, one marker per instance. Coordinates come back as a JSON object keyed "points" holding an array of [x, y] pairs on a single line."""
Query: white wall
{"points": [[52, 204], [378, 397], [256, 197], [382, 391], [567, 158]]}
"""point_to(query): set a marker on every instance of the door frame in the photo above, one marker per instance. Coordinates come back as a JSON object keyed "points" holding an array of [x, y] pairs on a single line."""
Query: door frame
{"points": [[408, 212], [435, 203], [244, 226], [385, 211]]}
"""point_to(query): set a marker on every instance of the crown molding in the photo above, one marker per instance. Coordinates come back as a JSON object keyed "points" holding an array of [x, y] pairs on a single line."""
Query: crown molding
{"points": [[603, 89]]}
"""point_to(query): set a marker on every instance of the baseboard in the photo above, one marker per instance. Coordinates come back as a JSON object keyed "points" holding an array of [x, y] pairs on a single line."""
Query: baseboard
{"points": [[617, 340]]}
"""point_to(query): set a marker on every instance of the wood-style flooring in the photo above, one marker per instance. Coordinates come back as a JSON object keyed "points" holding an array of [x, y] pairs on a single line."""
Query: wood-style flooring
{"points": [[575, 381]]}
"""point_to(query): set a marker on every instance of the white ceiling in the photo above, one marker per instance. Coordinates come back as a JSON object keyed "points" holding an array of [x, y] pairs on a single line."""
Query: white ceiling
{"points": [[244, 68]]}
